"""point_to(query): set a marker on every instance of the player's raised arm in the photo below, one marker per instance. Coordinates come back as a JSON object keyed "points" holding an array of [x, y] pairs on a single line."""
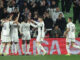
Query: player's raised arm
{"points": [[20, 29], [10, 18], [17, 18]]}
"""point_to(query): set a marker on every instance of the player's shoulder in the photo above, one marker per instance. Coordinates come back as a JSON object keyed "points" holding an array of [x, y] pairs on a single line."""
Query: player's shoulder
{"points": [[43, 22], [22, 23], [70, 23]]}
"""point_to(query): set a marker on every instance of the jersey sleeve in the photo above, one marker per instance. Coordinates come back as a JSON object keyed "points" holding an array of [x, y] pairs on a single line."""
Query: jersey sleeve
{"points": [[68, 26], [11, 22], [35, 22], [33, 25]]}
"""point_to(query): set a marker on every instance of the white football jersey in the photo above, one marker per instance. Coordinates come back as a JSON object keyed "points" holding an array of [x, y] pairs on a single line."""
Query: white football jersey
{"points": [[14, 29], [25, 27], [71, 27], [6, 28], [40, 26]]}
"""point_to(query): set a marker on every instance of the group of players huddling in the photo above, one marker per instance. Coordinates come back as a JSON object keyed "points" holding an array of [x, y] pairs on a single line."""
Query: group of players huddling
{"points": [[10, 38], [9, 35]]}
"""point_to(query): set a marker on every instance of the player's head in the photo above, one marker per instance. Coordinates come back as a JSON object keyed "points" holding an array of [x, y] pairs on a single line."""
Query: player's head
{"points": [[8, 17], [28, 20], [70, 19], [40, 19]]}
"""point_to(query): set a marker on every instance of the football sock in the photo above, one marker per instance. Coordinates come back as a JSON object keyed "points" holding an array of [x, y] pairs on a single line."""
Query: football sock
{"points": [[28, 47], [12, 49], [38, 48], [67, 48], [7, 49], [42, 48], [16, 48], [23, 48], [2, 48]]}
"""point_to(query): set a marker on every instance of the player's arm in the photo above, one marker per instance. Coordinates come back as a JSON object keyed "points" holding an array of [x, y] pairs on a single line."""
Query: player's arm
{"points": [[10, 18], [34, 22], [33, 25], [16, 21], [66, 32], [20, 29], [2, 22]]}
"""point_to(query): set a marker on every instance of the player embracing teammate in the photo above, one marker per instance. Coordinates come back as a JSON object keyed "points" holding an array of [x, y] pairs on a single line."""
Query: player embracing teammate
{"points": [[25, 32], [5, 34], [41, 34]]}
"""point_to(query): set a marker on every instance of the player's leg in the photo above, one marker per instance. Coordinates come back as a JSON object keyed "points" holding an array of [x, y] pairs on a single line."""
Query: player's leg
{"points": [[12, 47], [73, 44], [38, 48], [28, 41], [3, 43], [7, 48], [67, 46], [23, 46], [42, 48], [2, 48], [37, 44], [16, 47], [28, 46], [8, 41]]}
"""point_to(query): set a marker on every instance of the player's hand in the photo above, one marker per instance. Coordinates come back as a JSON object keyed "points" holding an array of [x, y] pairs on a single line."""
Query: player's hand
{"points": [[65, 34], [18, 13]]}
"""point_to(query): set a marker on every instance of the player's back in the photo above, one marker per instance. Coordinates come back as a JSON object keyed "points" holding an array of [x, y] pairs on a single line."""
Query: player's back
{"points": [[25, 27]]}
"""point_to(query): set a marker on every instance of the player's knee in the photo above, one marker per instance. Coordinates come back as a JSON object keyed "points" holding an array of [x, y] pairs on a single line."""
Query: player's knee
{"points": [[67, 43], [72, 44], [16, 42], [23, 42], [4, 44], [38, 43], [28, 41], [11, 43]]}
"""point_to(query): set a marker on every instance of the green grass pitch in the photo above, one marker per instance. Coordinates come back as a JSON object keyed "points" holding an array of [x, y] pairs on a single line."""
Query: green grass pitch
{"points": [[46, 57]]}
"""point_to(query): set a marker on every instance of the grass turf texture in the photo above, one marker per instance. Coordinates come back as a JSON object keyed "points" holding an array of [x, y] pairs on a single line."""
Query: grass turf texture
{"points": [[46, 57]]}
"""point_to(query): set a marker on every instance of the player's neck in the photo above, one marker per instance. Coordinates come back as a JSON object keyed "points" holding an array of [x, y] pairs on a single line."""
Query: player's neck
{"points": [[70, 22]]}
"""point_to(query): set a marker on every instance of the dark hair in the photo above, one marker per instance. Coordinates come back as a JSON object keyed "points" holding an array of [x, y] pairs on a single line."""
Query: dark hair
{"points": [[70, 18], [40, 17]]}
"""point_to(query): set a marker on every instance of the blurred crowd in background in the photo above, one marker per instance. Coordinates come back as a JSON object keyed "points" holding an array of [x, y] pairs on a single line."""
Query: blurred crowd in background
{"points": [[51, 11]]}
